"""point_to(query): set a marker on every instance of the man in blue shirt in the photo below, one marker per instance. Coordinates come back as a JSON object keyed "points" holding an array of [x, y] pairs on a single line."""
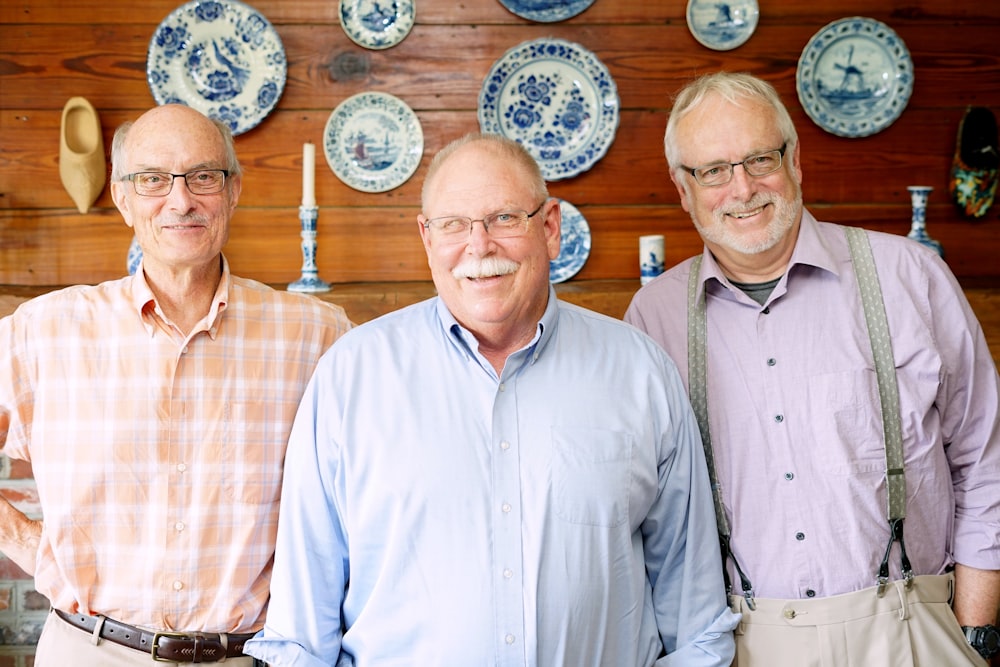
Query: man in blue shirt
{"points": [[494, 477]]}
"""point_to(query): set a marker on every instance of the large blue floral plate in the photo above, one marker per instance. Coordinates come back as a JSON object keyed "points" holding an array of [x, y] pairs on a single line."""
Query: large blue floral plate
{"points": [[221, 57], [546, 11], [377, 25], [575, 244], [722, 25], [557, 99], [854, 77], [373, 142]]}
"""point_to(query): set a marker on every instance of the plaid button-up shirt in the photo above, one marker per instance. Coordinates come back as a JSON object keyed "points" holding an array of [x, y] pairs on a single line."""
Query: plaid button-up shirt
{"points": [[158, 456]]}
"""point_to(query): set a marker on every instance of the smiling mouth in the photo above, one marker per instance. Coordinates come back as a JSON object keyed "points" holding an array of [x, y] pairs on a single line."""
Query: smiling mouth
{"points": [[741, 215]]}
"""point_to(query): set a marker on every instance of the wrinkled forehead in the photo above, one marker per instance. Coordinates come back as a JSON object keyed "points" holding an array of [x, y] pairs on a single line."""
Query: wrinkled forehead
{"points": [[720, 129], [476, 180]]}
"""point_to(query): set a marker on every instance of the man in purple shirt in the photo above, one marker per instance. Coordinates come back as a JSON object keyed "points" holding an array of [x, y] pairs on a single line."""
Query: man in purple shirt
{"points": [[769, 329]]}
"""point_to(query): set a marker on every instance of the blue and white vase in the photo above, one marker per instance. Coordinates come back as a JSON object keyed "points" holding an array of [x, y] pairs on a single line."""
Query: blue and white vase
{"points": [[918, 226]]}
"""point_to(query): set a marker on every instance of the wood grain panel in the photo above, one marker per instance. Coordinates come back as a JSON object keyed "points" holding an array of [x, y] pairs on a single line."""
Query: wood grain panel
{"points": [[371, 243], [49, 52]]}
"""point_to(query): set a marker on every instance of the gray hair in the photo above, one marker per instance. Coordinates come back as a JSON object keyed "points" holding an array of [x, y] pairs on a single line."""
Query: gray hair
{"points": [[121, 134], [734, 88], [500, 146]]}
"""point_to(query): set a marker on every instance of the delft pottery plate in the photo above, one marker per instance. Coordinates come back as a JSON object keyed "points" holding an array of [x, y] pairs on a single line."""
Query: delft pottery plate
{"points": [[373, 142], [221, 57], [546, 11], [854, 77], [377, 25], [557, 99], [575, 244], [722, 25], [134, 256]]}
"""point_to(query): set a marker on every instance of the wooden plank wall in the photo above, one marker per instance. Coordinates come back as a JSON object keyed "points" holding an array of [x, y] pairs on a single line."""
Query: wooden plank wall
{"points": [[50, 51]]}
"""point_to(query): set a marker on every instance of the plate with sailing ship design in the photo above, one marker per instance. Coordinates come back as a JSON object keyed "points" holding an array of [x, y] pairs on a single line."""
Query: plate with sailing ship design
{"points": [[373, 142], [221, 57], [855, 77]]}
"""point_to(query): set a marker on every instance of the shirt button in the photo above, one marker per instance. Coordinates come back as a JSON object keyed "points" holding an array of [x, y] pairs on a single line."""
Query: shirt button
{"points": [[766, 311], [178, 585], [508, 573], [789, 476], [771, 362], [810, 593], [509, 639], [800, 536], [179, 526], [779, 418], [185, 350], [505, 507], [505, 445], [789, 613], [502, 386], [181, 467]]}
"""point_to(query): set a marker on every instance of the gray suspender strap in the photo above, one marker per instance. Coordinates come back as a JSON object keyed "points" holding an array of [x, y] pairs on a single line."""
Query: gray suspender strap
{"points": [[698, 393], [888, 394], [885, 371]]}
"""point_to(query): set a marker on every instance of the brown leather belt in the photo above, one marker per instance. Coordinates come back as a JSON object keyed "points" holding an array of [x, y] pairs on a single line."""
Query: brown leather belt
{"points": [[163, 646]]}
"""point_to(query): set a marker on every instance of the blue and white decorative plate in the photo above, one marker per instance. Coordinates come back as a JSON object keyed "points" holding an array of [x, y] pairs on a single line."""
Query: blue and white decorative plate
{"points": [[854, 77], [221, 57], [134, 256], [722, 25], [575, 244], [377, 25], [557, 99], [373, 142], [546, 11]]}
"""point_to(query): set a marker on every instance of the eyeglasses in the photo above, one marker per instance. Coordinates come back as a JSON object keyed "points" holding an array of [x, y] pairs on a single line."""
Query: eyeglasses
{"points": [[499, 225], [160, 183], [720, 173]]}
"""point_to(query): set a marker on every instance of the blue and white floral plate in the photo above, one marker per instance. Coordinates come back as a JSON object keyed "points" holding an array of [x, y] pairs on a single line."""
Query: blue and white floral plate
{"points": [[377, 25], [575, 244], [221, 57], [855, 77], [373, 142], [546, 11], [722, 25], [557, 99]]}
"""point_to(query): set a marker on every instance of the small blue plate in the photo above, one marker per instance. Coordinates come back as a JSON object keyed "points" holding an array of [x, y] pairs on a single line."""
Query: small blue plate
{"points": [[574, 246], [722, 25], [854, 77], [373, 142], [557, 99], [377, 25], [221, 57], [546, 11]]}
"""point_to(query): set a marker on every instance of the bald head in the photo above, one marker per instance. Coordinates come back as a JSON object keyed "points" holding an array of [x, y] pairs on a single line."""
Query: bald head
{"points": [[168, 124]]}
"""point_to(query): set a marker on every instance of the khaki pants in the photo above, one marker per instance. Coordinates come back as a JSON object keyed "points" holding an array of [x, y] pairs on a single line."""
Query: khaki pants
{"points": [[912, 627], [62, 645]]}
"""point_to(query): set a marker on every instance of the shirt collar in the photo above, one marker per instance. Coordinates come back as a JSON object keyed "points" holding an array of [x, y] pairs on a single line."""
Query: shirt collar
{"points": [[467, 343], [144, 301], [811, 249]]}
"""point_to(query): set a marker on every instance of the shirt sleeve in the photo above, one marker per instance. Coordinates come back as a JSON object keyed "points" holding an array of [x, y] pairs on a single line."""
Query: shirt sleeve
{"points": [[683, 556], [969, 405], [303, 624]]}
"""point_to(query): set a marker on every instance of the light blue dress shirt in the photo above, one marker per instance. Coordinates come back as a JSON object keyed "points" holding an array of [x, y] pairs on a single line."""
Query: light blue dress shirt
{"points": [[435, 514]]}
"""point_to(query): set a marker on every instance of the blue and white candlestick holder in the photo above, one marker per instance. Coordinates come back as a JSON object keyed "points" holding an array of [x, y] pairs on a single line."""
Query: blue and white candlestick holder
{"points": [[310, 280], [918, 227]]}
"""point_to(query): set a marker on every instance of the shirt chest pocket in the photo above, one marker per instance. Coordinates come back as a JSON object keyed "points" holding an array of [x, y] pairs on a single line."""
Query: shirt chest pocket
{"points": [[252, 453], [590, 475]]}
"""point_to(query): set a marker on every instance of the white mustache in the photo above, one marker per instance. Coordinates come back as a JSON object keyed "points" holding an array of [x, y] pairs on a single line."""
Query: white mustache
{"points": [[758, 201], [486, 267]]}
